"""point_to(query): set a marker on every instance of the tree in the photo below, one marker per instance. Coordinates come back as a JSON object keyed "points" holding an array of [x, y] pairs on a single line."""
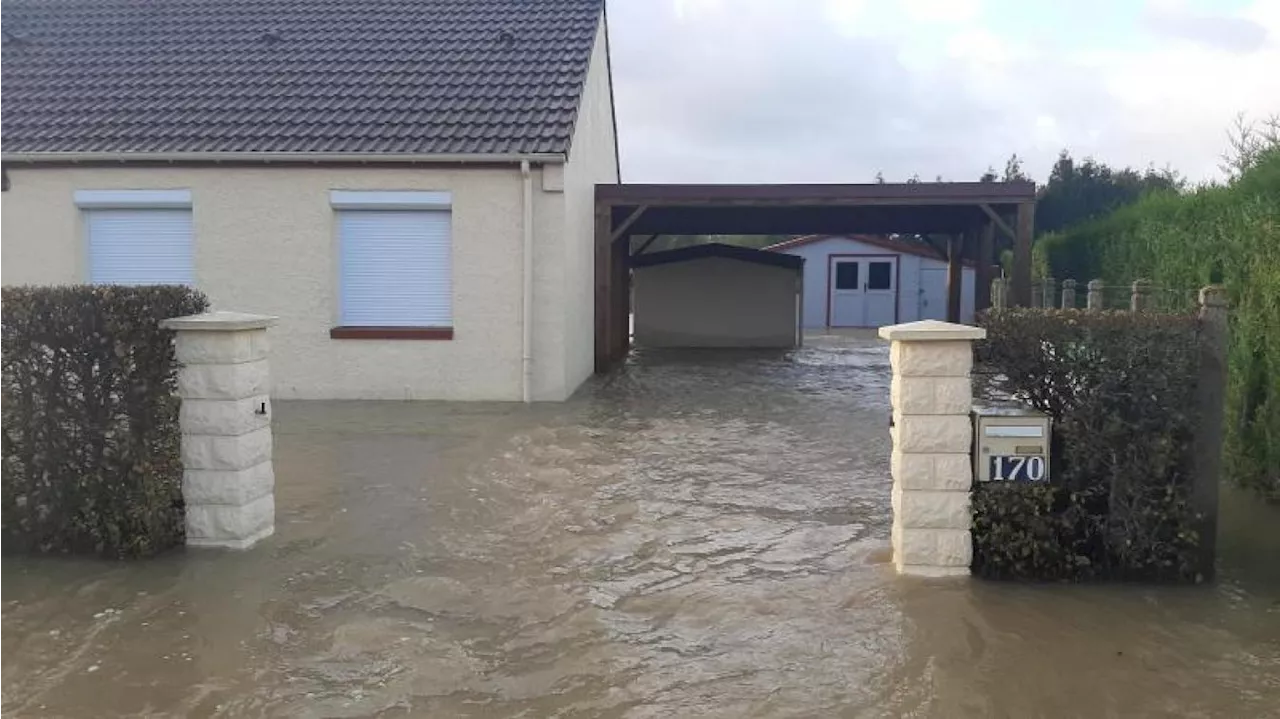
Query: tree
{"points": [[1080, 191], [1247, 141], [1013, 170]]}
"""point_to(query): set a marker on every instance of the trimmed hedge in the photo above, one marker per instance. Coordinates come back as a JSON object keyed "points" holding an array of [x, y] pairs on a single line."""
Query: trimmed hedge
{"points": [[90, 419], [1121, 389], [1221, 234]]}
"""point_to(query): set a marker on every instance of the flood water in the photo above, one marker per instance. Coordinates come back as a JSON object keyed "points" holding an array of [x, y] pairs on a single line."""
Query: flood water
{"points": [[701, 534]]}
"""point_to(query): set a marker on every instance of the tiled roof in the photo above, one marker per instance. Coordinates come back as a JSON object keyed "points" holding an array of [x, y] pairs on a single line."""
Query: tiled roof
{"points": [[286, 76]]}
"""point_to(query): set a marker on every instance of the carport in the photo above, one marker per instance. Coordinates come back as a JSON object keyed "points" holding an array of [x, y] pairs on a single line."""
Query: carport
{"points": [[977, 219]]}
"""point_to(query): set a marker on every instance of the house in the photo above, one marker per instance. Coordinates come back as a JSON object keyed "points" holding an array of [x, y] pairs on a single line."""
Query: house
{"points": [[407, 184], [716, 295], [873, 280]]}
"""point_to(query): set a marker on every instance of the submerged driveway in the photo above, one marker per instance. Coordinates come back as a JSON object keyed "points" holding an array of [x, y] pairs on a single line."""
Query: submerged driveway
{"points": [[701, 534]]}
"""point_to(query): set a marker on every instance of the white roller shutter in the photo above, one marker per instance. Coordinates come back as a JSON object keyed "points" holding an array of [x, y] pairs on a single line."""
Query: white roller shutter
{"points": [[140, 247], [396, 268]]}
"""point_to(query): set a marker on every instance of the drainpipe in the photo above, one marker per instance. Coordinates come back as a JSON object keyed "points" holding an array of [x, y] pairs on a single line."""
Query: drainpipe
{"points": [[526, 287]]}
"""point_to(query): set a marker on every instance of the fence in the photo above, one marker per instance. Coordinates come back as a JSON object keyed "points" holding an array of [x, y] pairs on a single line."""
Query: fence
{"points": [[1140, 295]]}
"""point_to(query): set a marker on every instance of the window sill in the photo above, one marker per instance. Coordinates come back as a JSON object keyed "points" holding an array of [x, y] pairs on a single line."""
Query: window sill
{"points": [[391, 333]]}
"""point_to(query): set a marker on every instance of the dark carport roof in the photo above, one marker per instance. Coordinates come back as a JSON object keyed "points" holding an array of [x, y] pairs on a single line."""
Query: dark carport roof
{"points": [[717, 249], [878, 208], [427, 77]]}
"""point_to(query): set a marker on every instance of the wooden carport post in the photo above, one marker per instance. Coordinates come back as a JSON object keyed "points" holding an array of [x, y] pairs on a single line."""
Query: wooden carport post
{"points": [[955, 275], [983, 272], [1022, 254], [603, 299]]}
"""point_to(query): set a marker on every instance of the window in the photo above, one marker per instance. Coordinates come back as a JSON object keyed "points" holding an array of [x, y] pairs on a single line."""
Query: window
{"points": [[846, 275], [880, 276], [138, 237], [395, 268]]}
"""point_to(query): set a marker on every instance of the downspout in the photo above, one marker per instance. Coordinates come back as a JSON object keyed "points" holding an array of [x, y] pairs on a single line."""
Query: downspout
{"points": [[526, 287]]}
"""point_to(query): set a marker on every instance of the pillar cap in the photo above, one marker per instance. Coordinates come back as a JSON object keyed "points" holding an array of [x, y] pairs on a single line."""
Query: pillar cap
{"points": [[931, 331], [219, 322]]}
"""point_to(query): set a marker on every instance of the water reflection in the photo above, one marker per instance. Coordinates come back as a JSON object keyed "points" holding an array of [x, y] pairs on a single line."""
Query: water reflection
{"points": [[702, 534]]}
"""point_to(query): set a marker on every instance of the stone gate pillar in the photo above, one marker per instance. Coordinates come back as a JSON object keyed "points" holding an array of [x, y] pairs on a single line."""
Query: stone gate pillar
{"points": [[932, 435], [227, 480]]}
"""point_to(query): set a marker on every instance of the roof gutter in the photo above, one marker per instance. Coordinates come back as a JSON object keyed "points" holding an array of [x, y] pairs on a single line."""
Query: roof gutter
{"points": [[547, 158]]}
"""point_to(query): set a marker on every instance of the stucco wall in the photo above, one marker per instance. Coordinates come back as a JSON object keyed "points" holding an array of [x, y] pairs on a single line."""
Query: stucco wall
{"points": [[265, 243], [592, 161], [817, 255], [715, 302]]}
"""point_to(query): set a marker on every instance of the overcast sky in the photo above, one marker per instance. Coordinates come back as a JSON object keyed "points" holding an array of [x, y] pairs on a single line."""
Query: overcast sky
{"points": [[837, 90]]}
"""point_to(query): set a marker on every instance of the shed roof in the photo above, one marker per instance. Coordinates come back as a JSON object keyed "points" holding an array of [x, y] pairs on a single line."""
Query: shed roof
{"points": [[720, 250], [295, 76], [893, 244]]}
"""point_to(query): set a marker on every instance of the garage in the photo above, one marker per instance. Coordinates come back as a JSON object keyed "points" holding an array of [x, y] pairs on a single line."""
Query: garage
{"points": [[717, 295], [873, 281]]}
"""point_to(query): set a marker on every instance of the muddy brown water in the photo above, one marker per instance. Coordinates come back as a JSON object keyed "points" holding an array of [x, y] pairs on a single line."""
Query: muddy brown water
{"points": [[702, 534]]}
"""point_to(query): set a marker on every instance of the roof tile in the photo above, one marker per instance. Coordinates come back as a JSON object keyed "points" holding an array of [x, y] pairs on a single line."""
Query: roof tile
{"points": [[374, 76]]}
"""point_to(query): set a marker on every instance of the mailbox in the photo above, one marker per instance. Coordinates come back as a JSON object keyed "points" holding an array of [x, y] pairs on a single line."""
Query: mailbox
{"points": [[1011, 444]]}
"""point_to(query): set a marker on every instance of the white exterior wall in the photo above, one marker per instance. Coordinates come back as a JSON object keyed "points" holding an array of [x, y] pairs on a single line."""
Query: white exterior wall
{"points": [[715, 302], [593, 160], [265, 242], [817, 256]]}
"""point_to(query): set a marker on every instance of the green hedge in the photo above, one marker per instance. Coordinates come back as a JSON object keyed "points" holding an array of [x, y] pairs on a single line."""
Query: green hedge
{"points": [[1120, 388], [90, 419], [1227, 235]]}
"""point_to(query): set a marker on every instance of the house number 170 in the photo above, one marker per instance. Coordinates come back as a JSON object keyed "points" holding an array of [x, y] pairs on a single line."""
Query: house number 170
{"points": [[1017, 468]]}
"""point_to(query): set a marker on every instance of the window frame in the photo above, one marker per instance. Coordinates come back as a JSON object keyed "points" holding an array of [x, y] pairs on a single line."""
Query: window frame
{"points": [[87, 201]]}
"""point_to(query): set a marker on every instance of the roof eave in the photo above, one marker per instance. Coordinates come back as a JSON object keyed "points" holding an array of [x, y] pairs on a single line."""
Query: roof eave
{"points": [[547, 158]]}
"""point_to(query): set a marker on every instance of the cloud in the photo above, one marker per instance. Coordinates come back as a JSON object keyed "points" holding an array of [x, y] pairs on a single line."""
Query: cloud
{"points": [[838, 90], [1220, 32]]}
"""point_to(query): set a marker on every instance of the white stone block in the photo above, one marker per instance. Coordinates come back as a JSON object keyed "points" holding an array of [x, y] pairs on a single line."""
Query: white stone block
{"points": [[931, 395], [225, 416], [932, 433], [931, 471], [221, 452], [221, 347], [231, 486], [224, 381], [931, 359], [931, 509], [932, 547], [217, 524]]}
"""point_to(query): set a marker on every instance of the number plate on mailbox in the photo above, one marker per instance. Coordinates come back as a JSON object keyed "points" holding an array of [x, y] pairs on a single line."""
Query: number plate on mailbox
{"points": [[1018, 468]]}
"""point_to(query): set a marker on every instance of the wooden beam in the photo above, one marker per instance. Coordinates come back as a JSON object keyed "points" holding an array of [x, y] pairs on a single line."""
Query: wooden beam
{"points": [[955, 276], [1022, 254], [621, 230], [603, 249], [983, 274], [999, 221], [646, 244]]}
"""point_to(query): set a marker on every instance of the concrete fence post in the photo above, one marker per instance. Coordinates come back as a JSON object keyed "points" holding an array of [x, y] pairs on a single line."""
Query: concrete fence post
{"points": [[1049, 293], [1211, 391], [1068, 294], [1095, 299], [1140, 297], [227, 480], [932, 436], [999, 298]]}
